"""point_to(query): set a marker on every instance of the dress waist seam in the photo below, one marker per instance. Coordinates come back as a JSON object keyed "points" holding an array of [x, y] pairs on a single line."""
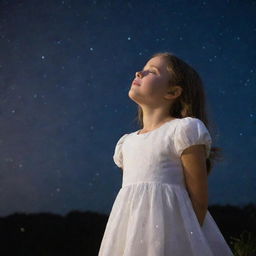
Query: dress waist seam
{"points": [[152, 182]]}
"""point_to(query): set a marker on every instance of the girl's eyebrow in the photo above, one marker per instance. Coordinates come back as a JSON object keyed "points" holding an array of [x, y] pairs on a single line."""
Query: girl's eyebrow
{"points": [[154, 67]]}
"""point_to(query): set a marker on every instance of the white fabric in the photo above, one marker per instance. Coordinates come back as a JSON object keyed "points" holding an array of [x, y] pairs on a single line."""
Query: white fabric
{"points": [[192, 131], [152, 214]]}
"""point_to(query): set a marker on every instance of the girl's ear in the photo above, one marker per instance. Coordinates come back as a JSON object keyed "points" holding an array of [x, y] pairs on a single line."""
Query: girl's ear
{"points": [[174, 92]]}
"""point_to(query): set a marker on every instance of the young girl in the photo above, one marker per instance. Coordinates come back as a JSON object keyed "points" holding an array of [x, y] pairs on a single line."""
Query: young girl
{"points": [[161, 209]]}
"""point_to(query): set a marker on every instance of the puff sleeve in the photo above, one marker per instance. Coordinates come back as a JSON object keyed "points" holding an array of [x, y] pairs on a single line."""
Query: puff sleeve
{"points": [[191, 131], [118, 155]]}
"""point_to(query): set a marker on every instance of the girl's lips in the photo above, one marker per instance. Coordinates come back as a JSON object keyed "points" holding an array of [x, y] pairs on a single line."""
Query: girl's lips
{"points": [[136, 83]]}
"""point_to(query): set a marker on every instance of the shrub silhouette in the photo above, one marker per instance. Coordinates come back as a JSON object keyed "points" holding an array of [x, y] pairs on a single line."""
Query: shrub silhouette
{"points": [[80, 233]]}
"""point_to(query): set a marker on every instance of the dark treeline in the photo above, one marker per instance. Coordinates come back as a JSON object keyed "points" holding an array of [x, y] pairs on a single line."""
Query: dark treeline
{"points": [[80, 233]]}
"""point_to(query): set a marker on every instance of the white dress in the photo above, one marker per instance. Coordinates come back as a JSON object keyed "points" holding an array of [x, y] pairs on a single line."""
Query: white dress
{"points": [[152, 214]]}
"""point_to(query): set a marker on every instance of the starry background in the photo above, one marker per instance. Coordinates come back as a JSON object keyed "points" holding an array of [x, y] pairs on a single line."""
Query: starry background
{"points": [[66, 68]]}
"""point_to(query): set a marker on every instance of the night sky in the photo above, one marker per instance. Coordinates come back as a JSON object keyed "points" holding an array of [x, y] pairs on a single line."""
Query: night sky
{"points": [[66, 68]]}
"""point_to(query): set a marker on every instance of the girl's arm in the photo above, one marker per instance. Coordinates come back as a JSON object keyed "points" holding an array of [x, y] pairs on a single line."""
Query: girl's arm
{"points": [[194, 167]]}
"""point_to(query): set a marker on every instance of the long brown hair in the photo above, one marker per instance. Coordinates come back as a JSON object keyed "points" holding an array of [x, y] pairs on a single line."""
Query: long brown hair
{"points": [[191, 102]]}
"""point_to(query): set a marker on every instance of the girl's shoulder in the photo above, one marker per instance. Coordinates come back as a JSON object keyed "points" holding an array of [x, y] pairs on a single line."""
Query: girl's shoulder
{"points": [[189, 124], [191, 131], [189, 119]]}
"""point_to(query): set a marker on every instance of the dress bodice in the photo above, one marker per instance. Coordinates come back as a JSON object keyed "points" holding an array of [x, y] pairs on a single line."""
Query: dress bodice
{"points": [[154, 156]]}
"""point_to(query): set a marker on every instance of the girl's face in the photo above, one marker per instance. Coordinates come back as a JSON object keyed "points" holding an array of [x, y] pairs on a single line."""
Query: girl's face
{"points": [[152, 82]]}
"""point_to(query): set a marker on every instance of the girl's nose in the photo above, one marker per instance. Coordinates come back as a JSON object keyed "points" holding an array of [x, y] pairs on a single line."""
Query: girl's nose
{"points": [[138, 74]]}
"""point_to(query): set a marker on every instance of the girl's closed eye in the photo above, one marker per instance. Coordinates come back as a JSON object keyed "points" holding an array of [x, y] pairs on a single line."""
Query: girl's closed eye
{"points": [[150, 71]]}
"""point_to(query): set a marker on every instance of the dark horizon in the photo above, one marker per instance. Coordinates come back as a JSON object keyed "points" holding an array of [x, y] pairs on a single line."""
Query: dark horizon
{"points": [[47, 233]]}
